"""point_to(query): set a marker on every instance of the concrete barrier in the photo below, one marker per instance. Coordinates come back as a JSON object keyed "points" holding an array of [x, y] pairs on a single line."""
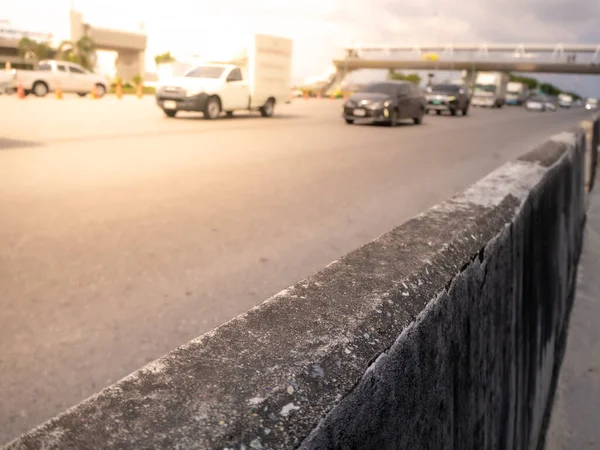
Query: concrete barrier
{"points": [[446, 332]]}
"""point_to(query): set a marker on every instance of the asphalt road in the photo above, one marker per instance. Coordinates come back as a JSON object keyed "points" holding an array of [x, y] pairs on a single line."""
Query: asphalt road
{"points": [[125, 234]]}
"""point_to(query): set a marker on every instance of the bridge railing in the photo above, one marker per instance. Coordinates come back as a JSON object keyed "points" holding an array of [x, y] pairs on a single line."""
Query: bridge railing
{"points": [[446, 332]]}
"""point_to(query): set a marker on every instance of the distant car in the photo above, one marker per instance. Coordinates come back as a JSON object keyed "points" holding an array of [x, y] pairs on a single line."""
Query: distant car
{"points": [[591, 104], [385, 102], [551, 104], [537, 103], [448, 97]]}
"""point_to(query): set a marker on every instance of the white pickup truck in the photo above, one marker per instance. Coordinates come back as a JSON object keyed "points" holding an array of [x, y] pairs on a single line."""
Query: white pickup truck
{"points": [[256, 82], [70, 77]]}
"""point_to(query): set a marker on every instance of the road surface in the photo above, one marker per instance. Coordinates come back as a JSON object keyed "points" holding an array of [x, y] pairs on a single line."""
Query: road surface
{"points": [[126, 234]]}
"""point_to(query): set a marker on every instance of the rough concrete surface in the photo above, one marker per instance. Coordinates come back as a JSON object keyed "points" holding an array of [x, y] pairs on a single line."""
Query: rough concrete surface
{"points": [[576, 413], [438, 334], [126, 234]]}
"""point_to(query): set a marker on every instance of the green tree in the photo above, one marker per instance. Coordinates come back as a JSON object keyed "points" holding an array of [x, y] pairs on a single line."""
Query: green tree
{"points": [[164, 58], [549, 89], [82, 52], [412, 77], [33, 51], [531, 83]]}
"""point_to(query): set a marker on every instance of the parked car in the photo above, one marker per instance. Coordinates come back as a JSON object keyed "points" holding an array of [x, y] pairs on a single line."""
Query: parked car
{"points": [[70, 77], [386, 102], [591, 104], [537, 103], [7, 80], [448, 97]]}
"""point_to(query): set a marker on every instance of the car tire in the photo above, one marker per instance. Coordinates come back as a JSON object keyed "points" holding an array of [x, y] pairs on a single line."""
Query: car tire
{"points": [[82, 94], [465, 111], [170, 112], [349, 121], [229, 114], [438, 112], [100, 90], [40, 89], [268, 108], [418, 120], [212, 110], [453, 111]]}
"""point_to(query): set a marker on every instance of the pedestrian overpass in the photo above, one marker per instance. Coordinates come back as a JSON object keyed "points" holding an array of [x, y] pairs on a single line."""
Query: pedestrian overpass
{"points": [[130, 47], [579, 59]]}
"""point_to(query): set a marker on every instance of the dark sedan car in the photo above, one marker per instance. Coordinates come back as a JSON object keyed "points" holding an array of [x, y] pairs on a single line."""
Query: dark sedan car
{"points": [[448, 97], [386, 102]]}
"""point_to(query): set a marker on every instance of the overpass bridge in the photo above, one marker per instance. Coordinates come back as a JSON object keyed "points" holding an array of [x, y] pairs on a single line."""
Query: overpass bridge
{"points": [[582, 59]]}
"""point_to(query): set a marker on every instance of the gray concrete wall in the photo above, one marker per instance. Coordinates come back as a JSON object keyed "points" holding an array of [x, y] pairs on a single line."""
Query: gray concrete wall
{"points": [[446, 332]]}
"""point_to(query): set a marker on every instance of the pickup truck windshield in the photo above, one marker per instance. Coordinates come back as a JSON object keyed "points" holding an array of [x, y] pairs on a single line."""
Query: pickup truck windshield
{"points": [[206, 72], [485, 88], [448, 88]]}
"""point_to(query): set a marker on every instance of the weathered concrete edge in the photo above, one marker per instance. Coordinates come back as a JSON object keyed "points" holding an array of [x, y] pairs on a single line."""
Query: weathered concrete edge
{"points": [[492, 201], [353, 405]]}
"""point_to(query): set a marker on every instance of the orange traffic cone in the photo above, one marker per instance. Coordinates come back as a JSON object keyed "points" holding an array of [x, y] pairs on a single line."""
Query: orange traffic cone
{"points": [[119, 91], [59, 94], [305, 95], [319, 94], [138, 90], [332, 96], [20, 90], [94, 92]]}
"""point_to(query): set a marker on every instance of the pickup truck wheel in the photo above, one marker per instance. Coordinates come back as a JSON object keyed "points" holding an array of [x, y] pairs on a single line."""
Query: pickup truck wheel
{"points": [[212, 109], [268, 108], [100, 90], [170, 112], [40, 89]]}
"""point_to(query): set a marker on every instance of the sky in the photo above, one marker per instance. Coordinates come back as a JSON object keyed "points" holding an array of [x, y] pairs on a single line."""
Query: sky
{"points": [[321, 28]]}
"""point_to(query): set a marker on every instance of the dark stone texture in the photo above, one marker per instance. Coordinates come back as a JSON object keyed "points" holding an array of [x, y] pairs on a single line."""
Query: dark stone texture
{"points": [[439, 334]]}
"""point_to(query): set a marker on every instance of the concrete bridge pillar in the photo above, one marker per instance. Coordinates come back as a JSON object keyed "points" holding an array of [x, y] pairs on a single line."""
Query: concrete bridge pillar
{"points": [[468, 77], [130, 64]]}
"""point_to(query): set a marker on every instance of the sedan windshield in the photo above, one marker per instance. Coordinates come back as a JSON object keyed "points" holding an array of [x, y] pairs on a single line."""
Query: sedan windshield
{"points": [[380, 88], [206, 72]]}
